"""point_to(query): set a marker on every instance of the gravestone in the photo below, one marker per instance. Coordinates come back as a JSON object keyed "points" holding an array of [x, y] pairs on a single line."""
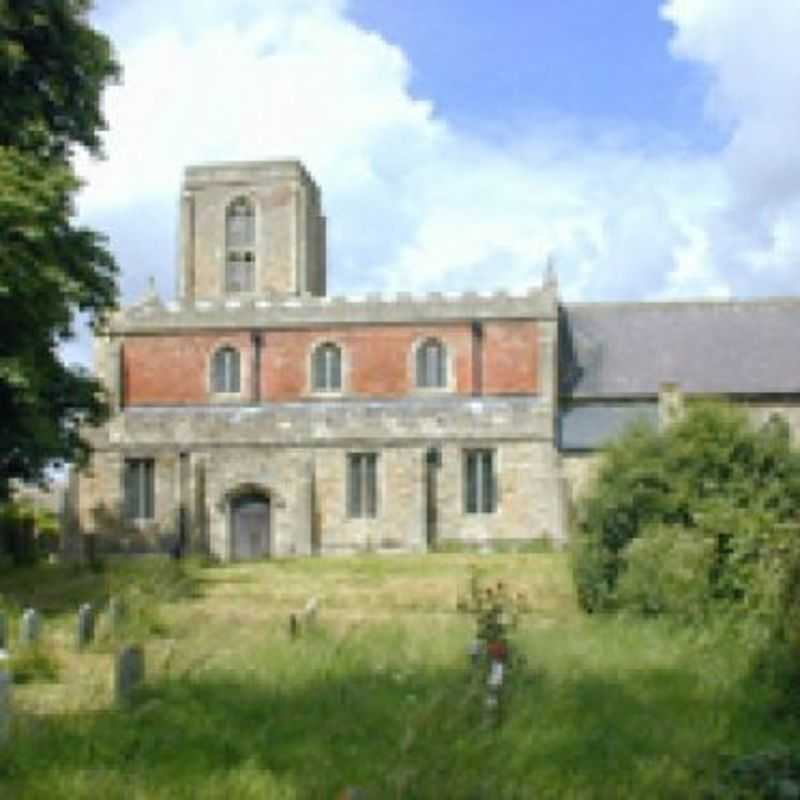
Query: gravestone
{"points": [[116, 614], [128, 674], [85, 625], [310, 612], [30, 627], [475, 653], [5, 698]]}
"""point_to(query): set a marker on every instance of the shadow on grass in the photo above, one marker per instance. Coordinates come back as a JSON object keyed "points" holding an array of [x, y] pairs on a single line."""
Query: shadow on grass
{"points": [[56, 589], [398, 735]]}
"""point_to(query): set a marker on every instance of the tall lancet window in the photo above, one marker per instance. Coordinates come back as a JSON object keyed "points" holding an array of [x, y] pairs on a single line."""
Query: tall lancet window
{"points": [[240, 244]]}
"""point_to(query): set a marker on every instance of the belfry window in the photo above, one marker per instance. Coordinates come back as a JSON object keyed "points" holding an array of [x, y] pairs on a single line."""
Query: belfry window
{"points": [[226, 371], [240, 241], [326, 368], [431, 365]]}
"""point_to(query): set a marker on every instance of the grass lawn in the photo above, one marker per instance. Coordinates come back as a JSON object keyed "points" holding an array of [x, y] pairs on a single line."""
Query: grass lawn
{"points": [[379, 696]]}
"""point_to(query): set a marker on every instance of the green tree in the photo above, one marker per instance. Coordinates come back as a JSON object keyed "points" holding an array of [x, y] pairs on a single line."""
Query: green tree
{"points": [[53, 68], [704, 509]]}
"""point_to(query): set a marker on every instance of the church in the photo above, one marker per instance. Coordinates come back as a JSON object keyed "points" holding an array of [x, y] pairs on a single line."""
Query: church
{"points": [[255, 416]]}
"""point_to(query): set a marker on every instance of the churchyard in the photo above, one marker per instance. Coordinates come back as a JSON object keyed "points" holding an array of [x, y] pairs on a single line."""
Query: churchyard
{"points": [[370, 689]]}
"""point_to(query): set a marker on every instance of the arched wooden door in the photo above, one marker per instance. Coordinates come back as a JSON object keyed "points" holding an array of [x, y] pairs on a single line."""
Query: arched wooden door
{"points": [[250, 526]]}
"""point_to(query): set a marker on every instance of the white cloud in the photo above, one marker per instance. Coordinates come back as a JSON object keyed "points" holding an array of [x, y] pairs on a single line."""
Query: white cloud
{"points": [[415, 203], [749, 50]]}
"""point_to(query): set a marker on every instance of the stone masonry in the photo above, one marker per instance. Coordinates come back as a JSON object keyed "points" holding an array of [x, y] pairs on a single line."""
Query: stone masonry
{"points": [[264, 466]]}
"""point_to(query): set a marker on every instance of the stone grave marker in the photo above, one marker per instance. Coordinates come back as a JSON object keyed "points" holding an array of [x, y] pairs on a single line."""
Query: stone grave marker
{"points": [[128, 674], [5, 698], [85, 625], [310, 612], [30, 627]]}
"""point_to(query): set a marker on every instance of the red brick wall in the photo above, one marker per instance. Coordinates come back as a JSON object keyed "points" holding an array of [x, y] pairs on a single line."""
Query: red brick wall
{"points": [[377, 361], [510, 357], [173, 369]]}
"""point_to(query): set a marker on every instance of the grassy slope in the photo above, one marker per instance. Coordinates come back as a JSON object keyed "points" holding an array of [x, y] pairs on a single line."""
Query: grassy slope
{"points": [[379, 696]]}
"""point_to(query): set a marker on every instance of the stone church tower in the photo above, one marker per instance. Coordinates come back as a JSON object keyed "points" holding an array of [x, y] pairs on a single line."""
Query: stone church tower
{"points": [[250, 230]]}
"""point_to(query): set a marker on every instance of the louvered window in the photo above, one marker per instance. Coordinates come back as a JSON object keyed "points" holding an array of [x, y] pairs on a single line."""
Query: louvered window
{"points": [[240, 240], [431, 365], [139, 488], [480, 482], [326, 368], [362, 489], [226, 371]]}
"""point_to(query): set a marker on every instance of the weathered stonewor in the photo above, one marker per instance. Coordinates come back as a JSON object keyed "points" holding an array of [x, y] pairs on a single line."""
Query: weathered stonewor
{"points": [[85, 631], [5, 698], [128, 674], [30, 628]]}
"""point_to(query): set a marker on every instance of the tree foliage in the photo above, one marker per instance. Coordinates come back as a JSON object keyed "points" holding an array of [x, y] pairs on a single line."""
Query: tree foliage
{"points": [[53, 68], [702, 512]]}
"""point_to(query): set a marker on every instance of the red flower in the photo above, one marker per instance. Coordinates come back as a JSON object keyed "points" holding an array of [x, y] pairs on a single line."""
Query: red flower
{"points": [[497, 650]]}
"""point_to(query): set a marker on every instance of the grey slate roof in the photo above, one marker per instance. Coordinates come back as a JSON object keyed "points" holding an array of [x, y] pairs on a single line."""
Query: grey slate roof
{"points": [[588, 426], [706, 347]]}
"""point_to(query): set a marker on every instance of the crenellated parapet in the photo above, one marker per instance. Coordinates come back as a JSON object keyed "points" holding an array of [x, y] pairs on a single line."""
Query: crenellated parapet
{"points": [[538, 303]]}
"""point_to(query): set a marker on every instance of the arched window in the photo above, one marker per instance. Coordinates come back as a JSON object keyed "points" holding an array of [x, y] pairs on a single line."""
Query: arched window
{"points": [[226, 371], [240, 242], [431, 365], [326, 368]]}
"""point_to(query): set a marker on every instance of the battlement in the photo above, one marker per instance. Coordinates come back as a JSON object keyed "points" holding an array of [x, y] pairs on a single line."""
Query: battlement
{"points": [[307, 311]]}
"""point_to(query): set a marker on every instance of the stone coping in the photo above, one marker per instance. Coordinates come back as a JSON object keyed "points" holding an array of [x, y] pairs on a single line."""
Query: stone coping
{"points": [[152, 315]]}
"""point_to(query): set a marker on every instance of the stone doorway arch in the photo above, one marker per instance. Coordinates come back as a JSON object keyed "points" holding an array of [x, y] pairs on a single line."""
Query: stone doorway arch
{"points": [[249, 523]]}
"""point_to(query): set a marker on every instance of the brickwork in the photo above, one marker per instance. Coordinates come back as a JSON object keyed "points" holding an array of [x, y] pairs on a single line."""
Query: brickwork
{"points": [[378, 362], [510, 357]]}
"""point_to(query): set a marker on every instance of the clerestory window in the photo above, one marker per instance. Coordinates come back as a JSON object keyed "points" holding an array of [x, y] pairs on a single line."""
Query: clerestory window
{"points": [[240, 243], [326, 368], [431, 365], [226, 371]]}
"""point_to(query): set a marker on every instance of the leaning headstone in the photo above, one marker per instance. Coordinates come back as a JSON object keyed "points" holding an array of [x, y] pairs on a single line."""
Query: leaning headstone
{"points": [[30, 627], [5, 698], [310, 612], [116, 614], [85, 625], [3, 631], [128, 674], [475, 653]]}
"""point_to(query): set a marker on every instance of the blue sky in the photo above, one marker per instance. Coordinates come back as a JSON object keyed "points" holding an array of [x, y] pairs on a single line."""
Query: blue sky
{"points": [[648, 147], [489, 66]]}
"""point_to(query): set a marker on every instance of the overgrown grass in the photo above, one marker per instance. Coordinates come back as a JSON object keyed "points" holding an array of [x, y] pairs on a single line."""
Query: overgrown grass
{"points": [[379, 694]]}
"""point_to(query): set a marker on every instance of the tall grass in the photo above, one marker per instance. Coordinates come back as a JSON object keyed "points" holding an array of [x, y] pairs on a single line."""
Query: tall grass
{"points": [[379, 695]]}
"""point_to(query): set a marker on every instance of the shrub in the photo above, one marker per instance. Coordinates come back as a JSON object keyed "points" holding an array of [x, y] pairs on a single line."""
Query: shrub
{"points": [[728, 492], [667, 570]]}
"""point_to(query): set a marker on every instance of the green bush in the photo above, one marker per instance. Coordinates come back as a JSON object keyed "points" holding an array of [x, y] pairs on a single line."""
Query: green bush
{"points": [[667, 570], [727, 492]]}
